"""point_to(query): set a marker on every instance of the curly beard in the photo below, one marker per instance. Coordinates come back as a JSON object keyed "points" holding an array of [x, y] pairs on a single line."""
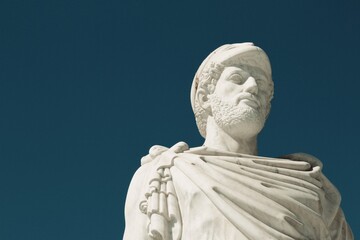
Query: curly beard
{"points": [[241, 120]]}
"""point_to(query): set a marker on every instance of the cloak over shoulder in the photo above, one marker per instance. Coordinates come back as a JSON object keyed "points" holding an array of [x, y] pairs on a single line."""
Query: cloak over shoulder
{"points": [[205, 194]]}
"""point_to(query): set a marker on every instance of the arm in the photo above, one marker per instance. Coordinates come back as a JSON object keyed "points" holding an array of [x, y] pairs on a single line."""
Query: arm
{"points": [[135, 221]]}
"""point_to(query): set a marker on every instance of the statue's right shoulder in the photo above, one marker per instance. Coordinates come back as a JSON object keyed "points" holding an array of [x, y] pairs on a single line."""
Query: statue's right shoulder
{"points": [[154, 152], [136, 221], [158, 157], [148, 163]]}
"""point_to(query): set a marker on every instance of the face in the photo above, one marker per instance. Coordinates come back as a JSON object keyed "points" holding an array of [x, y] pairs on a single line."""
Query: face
{"points": [[239, 101]]}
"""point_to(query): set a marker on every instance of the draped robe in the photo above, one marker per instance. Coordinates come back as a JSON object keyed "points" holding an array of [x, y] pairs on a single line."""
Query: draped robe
{"points": [[204, 194]]}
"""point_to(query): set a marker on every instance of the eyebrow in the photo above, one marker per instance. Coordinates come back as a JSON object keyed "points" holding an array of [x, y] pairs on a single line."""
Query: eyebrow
{"points": [[237, 70], [253, 71]]}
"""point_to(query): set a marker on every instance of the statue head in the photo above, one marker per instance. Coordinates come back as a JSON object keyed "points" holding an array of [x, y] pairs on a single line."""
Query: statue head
{"points": [[233, 85]]}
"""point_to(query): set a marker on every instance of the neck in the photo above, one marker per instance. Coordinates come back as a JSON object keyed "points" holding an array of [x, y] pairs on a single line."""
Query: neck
{"points": [[218, 139]]}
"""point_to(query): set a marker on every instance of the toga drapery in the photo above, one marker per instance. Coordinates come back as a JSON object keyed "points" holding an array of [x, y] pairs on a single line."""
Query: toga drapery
{"points": [[204, 194]]}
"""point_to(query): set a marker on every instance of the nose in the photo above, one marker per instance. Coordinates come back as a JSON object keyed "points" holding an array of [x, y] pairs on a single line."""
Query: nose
{"points": [[251, 86]]}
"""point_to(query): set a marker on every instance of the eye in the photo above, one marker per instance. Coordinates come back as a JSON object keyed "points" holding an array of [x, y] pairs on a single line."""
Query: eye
{"points": [[236, 78]]}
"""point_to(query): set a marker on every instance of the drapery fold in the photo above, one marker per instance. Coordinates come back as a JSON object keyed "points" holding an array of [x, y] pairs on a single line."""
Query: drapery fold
{"points": [[251, 197]]}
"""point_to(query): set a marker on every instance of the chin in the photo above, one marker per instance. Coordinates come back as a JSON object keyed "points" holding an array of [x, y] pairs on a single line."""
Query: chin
{"points": [[244, 129], [237, 120], [246, 123]]}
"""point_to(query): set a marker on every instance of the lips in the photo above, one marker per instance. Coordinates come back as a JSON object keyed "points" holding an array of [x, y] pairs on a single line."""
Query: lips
{"points": [[250, 103], [248, 99]]}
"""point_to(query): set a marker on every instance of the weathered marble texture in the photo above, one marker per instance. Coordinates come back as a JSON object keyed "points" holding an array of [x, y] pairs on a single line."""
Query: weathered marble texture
{"points": [[222, 190]]}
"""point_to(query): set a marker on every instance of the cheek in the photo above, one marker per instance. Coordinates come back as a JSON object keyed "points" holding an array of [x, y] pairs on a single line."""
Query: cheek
{"points": [[227, 91], [263, 101]]}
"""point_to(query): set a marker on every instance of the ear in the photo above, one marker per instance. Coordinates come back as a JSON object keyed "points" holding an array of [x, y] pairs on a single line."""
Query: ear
{"points": [[203, 100]]}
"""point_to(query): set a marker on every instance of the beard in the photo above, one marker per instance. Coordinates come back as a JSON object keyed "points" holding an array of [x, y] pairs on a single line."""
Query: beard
{"points": [[238, 120]]}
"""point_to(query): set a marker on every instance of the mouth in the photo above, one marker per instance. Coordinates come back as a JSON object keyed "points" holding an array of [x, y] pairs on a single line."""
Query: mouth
{"points": [[249, 100], [251, 103]]}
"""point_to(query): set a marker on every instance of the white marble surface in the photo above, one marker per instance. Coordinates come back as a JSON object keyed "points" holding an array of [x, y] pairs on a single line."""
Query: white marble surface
{"points": [[222, 190]]}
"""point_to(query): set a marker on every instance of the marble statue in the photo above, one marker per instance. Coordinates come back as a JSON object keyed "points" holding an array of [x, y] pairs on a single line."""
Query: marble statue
{"points": [[223, 190]]}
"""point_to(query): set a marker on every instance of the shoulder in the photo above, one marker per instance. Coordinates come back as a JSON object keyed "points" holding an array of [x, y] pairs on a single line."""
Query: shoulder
{"points": [[149, 165], [149, 161], [314, 161], [139, 181], [136, 221]]}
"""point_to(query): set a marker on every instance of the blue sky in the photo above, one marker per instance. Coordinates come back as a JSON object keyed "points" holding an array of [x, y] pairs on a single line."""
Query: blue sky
{"points": [[87, 87]]}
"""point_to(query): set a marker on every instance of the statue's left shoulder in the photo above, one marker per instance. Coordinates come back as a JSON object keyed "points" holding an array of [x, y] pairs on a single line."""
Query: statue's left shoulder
{"points": [[332, 213], [314, 161]]}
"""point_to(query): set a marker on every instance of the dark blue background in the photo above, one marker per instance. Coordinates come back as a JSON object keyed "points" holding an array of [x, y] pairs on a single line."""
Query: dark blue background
{"points": [[86, 87]]}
